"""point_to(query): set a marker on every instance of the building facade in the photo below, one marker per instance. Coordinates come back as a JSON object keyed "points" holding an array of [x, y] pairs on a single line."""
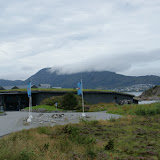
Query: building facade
{"points": [[17, 100]]}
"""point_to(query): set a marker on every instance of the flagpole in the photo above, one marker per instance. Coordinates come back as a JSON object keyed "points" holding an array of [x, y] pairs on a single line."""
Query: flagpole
{"points": [[31, 104], [29, 95], [31, 107], [29, 118], [83, 114]]}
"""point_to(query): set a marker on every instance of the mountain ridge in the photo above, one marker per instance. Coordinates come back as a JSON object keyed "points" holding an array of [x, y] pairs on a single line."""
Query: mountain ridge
{"points": [[92, 80]]}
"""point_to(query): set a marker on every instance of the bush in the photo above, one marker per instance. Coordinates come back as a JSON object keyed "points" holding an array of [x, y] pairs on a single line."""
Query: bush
{"points": [[51, 101], [110, 145], [69, 101]]}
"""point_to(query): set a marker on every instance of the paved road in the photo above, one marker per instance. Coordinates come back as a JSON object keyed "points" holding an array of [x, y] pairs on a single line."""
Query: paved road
{"points": [[16, 121]]}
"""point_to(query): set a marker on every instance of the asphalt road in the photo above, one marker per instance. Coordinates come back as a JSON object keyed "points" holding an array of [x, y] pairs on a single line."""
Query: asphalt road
{"points": [[16, 121]]}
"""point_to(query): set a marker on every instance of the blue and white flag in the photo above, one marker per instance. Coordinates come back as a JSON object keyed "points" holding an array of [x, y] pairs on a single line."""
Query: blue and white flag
{"points": [[29, 89], [79, 91]]}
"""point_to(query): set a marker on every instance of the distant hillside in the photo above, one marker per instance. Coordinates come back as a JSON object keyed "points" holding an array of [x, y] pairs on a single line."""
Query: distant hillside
{"points": [[151, 94], [10, 83], [91, 80]]}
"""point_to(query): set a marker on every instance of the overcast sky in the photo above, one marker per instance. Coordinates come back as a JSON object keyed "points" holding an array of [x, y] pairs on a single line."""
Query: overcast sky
{"points": [[79, 35]]}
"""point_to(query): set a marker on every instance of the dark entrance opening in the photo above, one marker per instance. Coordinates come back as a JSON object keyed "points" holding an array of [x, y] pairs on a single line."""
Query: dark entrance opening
{"points": [[12, 102], [13, 106], [16, 102]]}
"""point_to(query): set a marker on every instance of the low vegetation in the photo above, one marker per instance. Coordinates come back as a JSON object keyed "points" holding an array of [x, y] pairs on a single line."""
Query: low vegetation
{"points": [[129, 109], [135, 136], [69, 101], [57, 89], [131, 137], [140, 110]]}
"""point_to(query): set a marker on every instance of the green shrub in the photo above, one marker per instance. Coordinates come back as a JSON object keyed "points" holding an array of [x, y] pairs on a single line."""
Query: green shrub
{"points": [[52, 100], [71, 130], [110, 145], [27, 155], [69, 101]]}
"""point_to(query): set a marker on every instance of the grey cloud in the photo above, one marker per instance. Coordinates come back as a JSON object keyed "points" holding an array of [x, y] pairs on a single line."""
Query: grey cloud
{"points": [[119, 63], [75, 36]]}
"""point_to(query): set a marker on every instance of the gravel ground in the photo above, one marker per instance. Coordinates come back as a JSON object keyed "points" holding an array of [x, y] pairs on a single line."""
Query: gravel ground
{"points": [[16, 121]]}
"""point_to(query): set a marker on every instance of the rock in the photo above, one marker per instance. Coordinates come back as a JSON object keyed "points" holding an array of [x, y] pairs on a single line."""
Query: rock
{"points": [[57, 115], [150, 94], [40, 115], [125, 101]]}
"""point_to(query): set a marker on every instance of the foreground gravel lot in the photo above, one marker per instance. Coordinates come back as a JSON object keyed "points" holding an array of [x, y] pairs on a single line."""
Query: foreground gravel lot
{"points": [[16, 121]]}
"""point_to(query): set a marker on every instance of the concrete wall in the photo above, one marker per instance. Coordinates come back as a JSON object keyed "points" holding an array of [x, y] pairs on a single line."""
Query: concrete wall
{"points": [[90, 97], [21, 99], [94, 98]]}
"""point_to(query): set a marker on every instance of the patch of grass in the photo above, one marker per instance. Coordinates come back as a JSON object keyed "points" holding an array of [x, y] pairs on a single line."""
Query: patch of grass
{"points": [[140, 110], [101, 107], [27, 154], [44, 130], [58, 89], [89, 122]]}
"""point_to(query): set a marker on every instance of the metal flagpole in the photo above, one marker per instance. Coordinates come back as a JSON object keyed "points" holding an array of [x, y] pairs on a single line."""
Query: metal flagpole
{"points": [[31, 103], [83, 114], [31, 107], [29, 95], [29, 119]]}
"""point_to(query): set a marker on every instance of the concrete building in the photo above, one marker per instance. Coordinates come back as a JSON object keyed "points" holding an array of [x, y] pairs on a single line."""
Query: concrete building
{"points": [[44, 86], [16, 100]]}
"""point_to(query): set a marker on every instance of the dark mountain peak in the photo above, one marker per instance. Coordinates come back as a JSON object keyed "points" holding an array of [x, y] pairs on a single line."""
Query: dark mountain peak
{"points": [[100, 79]]}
